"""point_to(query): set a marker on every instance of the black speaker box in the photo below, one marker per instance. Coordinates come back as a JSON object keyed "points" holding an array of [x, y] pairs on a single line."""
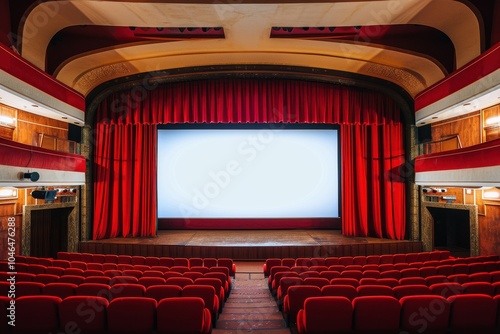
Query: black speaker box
{"points": [[424, 134], [48, 195], [75, 133]]}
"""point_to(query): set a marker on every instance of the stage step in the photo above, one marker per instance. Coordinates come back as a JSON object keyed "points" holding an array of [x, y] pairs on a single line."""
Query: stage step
{"points": [[250, 308]]}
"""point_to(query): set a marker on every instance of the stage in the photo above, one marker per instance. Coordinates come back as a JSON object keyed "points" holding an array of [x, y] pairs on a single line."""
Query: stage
{"points": [[250, 244]]}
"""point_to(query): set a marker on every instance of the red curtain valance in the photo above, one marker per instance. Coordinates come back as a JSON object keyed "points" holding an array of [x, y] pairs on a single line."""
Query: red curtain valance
{"points": [[373, 200], [248, 101]]}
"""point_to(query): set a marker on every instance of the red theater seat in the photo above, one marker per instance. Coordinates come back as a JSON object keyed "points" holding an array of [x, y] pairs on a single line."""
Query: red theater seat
{"points": [[446, 289], [329, 274], [54, 271], [229, 264], [61, 290], [209, 296], [141, 267], [138, 260], [386, 259], [325, 315], [132, 272], [180, 269], [29, 289], [46, 278], [159, 292], [436, 279], [345, 281], [285, 284], [316, 281], [424, 314], [73, 279], [411, 290], [294, 300], [73, 272], [87, 258], [110, 258], [124, 259], [90, 272], [152, 261], [194, 275], [36, 269], [166, 262], [87, 314], [74, 256], [183, 315], [288, 262], [459, 278], [78, 264], [93, 289], [479, 288], [195, 262], [127, 290], [94, 266], [61, 263], [330, 261], [149, 281], [376, 314], [180, 281], [374, 290], [97, 279], [347, 291], [123, 280], [359, 260], [109, 266], [98, 258], [37, 314], [132, 315], [181, 262], [356, 274], [472, 313], [63, 256]]}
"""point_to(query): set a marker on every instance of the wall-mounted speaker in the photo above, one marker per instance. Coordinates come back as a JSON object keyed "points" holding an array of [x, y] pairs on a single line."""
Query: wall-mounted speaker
{"points": [[75, 133], [424, 134]]}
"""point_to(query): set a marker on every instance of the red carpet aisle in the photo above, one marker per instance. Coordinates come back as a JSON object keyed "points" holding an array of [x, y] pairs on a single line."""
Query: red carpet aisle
{"points": [[250, 307]]}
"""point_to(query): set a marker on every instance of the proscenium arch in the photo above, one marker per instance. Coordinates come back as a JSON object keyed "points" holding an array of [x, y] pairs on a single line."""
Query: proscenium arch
{"points": [[152, 79]]}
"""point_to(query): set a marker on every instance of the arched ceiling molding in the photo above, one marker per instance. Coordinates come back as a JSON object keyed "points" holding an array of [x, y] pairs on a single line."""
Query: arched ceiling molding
{"points": [[85, 73], [247, 25]]}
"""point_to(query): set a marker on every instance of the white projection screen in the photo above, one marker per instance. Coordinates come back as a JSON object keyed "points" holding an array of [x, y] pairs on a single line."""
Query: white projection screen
{"points": [[248, 172]]}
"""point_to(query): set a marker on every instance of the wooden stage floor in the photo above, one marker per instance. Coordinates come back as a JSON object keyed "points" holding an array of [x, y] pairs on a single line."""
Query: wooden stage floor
{"points": [[250, 244]]}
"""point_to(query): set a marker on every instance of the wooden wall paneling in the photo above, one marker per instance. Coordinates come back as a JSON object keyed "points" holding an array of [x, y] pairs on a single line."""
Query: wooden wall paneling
{"points": [[29, 124], [492, 131], [489, 229]]}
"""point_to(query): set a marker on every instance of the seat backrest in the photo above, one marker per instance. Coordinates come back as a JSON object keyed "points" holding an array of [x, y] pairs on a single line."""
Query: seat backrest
{"points": [[180, 281], [374, 290], [28, 289], [132, 272], [148, 281], [126, 290], [166, 261], [472, 313], [228, 263], [446, 289], [110, 258], [376, 314], [345, 281], [271, 262], [316, 281], [93, 289], [91, 320], [94, 266], [327, 315], [205, 292], [195, 262], [412, 281], [136, 259], [182, 315], [73, 279], [97, 279], [123, 279], [132, 314], [411, 290], [181, 262], [296, 297], [347, 291], [46, 278], [124, 259], [78, 264], [479, 287], [152, 261], [42, 312], [159, 292], [61, 290], [36, 269], [435, 318]]}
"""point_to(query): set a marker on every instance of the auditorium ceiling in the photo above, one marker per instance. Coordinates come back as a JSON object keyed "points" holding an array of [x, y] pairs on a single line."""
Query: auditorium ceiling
{"points": [[409, 43]]}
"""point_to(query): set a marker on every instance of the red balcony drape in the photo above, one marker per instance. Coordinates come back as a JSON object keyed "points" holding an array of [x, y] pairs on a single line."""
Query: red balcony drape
{"points": [[373, 202]]}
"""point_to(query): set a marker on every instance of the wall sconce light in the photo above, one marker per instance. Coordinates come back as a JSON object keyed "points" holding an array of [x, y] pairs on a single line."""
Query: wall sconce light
{"points": [[493, 120], [491, 194], [8, 122], [8, 193]]}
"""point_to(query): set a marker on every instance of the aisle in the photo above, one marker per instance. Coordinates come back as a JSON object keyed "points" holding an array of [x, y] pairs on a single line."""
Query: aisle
{"points": [[250, 307]]}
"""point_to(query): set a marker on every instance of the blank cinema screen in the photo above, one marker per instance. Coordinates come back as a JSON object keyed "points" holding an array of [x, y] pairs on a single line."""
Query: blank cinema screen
{"points": [[267, 172]]}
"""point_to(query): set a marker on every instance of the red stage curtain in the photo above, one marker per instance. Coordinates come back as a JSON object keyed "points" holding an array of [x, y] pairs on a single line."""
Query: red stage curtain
{"points": [[373, 194], [125, 180], [125, 154]]}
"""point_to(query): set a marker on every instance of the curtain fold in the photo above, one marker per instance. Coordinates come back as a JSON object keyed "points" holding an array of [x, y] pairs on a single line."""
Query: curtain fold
{"points": [[372, 148]]}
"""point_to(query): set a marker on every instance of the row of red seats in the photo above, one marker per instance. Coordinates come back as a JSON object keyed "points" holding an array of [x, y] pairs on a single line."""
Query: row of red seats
{"points": [[84, 314], [385, 262], [147, 260], [217, 280], [111, 261], [299, 290], [360, 260], [285, 282], [204, 289], [472, 313], [347, 272], [291, 295]]}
